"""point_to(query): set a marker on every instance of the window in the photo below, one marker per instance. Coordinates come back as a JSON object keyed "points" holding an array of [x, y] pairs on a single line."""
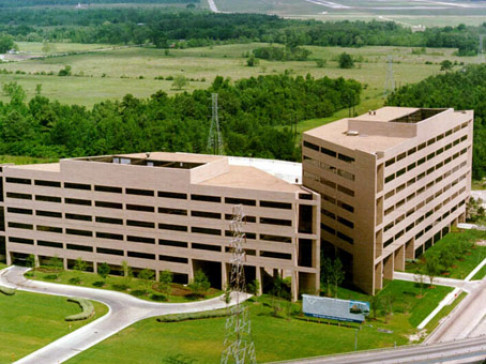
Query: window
{"points": [[276, 238], [38, 182], [111, 236], [206, 214], [345, 222], [138, 192], [142, 224], [109, 189], [276, 255], [141, 255], [179, 244], [17, 225], [48, 198], [345, 190], [79, 232], [50, 229], [78, 217], [77, 186], [345, 206], [328, 152], [140, 208], [109, 251], [108, 220], [181, 196], [271, 221], [344, 237], [240, 201], [22, 181], [21, 241], [108, 205], [15, 210], [207, 231], [77, 247], [164, 210], [50, 244], [276, 205], [206, 247], [77, 201], [168, 258], [311, 146], [49, 214], [172, 227], [140, 239], [345, 158], [21, 196], [205, 198]]}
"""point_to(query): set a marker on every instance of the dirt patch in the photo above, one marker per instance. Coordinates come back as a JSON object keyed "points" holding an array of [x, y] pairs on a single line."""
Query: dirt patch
{"points": [[481, 243]]}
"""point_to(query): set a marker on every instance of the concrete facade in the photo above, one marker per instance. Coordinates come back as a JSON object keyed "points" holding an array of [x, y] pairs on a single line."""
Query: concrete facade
{"points": [[392, 182], [161, 211]]}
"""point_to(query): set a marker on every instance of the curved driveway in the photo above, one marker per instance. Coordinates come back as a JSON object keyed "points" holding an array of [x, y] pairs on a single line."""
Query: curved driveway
{"points": [[124, 310]]}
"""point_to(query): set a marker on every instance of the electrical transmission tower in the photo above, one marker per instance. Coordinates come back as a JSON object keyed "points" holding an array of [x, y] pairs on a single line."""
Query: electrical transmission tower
{"points": [[481, 48], [215, 139], [390, 80], [238, 346]]}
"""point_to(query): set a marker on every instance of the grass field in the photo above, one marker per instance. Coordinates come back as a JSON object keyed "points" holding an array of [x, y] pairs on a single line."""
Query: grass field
{"points": [[112, 73], [201, 341], [137, 287], [481, 274], [30, 321], [461, 268], [444, 312]]}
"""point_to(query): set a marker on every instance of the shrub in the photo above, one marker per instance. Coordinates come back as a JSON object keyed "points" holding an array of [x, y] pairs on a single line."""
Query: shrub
{"points": [[75, 280], [86, 306], [345, 61], [51, 276], [158, 297], [194, 316], [120, 287], [139, 292], [99, 283]]}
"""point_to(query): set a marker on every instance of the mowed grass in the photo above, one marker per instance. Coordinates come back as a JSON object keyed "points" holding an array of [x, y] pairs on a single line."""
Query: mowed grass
{"points": [[30, 321], [112, 73], [275, 338], [480, 274], [462, 267]]}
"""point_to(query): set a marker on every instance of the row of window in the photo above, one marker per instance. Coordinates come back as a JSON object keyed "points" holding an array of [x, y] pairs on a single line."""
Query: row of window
{"points": [[330, 184], [143, 224], [330, 168], [337, 233], [139, 192], [426, 229], [117, 221], [421, 146], [423, 203], [329, 152], [338, 218], [150, 256], [423, 188]]}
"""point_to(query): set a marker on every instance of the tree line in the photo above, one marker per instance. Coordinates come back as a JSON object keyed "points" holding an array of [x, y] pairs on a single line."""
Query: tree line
{"points": [[462, 90], [166, 27], [256, 114]]}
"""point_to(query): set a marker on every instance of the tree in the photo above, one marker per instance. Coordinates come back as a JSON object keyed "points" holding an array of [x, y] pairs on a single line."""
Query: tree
{"points": [[66, 71], [165, 282], [15, 92], [446, 65], [200, 283], [127, 271], [345, 60], [337, 275], [179, 82], [31, 262], [6, 43], [376, 304], [103, 270], [80, 265], [432, 266], [254, 287], [147, 275], [252, 61]]}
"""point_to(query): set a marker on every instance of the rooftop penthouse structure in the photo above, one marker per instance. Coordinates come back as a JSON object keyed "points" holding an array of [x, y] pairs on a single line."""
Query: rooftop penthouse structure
{"points": [[392, 182], [161, 211]]}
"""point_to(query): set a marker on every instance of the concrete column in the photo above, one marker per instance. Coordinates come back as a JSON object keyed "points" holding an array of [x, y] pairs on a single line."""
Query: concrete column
{"points": [[295, 286], [378, 277], [224, 276], [95, 267], [388, 267], [409, 249], [9, 258], [399, 263]]}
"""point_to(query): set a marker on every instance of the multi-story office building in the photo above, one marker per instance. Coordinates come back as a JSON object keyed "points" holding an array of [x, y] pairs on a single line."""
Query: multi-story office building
{"points": [[392, 182], [161, 211]]}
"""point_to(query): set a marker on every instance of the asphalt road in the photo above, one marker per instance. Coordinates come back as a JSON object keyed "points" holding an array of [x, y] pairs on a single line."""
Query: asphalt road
{"points": [[124, 310]]}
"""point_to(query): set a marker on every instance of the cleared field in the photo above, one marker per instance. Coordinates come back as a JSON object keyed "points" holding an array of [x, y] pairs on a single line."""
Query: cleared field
{"points": [[30, 321], [426, 12], [201, 341], [112, 73]]}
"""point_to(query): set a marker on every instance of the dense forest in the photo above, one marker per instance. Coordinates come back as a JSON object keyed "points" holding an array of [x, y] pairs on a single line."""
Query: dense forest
{"points": [[29, 3], [257, 117], [164, 27], [462, 90]]}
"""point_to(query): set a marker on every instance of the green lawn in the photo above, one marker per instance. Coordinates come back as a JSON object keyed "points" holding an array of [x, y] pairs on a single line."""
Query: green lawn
{"points": [[2, 265], [281, 338], [444, 312], [137, 287], [461, 268], [112, 73], [481, 274], [30, 321]]}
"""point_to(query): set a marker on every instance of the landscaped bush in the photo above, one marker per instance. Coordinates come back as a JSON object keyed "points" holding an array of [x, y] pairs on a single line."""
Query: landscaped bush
{"points": [[7, 291], [120, 287], [86, 306], [193, 316], [51, 276], [158, 297], [98, 284], [75, 280], [139, 292]]}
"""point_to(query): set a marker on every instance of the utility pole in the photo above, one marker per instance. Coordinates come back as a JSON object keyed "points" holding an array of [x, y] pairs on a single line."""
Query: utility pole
{"points": [[239, 348], [215, 139]]}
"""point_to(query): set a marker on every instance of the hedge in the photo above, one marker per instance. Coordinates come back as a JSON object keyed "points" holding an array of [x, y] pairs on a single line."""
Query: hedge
{"points": [[193, 316], [86, 306]]}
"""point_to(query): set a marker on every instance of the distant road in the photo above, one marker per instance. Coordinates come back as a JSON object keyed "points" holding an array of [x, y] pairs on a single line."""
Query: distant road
{"points": [[213, 6]]}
